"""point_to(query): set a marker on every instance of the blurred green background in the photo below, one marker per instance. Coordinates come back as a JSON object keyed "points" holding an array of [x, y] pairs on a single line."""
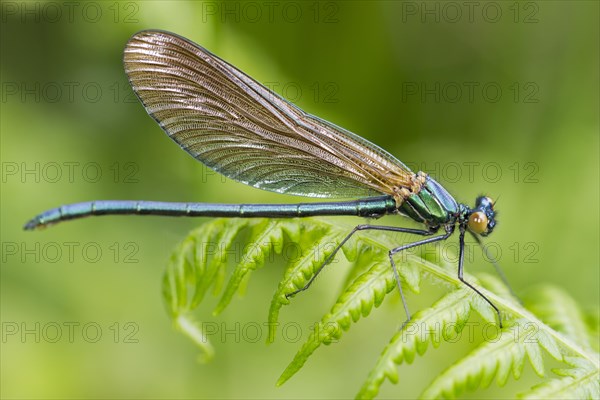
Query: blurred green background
{"points": [[498, 98]]}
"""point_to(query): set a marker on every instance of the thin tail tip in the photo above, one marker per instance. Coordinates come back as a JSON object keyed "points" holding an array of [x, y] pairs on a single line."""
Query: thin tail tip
{"points": [[32, 224]]}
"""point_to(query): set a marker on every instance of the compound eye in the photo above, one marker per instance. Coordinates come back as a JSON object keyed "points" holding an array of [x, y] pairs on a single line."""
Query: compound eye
{"points": [[478, 222]]}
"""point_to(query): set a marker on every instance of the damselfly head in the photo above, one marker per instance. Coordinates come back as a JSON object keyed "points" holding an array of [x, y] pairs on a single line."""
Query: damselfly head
{"points": [[482, 217]]}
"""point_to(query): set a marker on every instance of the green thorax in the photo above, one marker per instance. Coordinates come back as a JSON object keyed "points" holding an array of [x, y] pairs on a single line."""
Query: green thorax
{"points": [[432, 205]]}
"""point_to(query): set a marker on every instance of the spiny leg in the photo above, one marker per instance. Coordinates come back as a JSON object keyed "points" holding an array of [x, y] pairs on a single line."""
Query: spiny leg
{"points": [[421, 232], [391, 254], [496, 265], [461, 255]]}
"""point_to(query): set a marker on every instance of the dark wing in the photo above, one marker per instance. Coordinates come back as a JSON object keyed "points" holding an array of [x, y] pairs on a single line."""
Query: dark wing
{"points": [[244, 131]]}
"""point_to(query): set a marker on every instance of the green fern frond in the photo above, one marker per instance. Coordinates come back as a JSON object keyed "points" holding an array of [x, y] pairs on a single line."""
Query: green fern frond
{"points": [[527, 337], [266, 238], [497, 358], [445, 318], [559, 311], [581, 378], [592, 324], [581, 381], [200, 262], [298, 274], [367, 290]]}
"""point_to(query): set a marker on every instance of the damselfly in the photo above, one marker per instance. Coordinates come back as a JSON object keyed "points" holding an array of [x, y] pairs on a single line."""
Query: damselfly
{"points": [[239, 128]]}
